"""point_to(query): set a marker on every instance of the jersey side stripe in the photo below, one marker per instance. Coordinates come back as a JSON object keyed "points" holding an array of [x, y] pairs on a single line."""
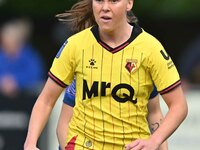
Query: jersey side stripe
{"points": [[121, 74], [113, 125], [132, 55], [101, 102], [83, 57]]}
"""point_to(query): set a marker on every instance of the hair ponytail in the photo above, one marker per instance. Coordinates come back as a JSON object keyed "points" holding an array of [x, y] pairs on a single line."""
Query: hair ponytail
{"points": [[80, 16]]}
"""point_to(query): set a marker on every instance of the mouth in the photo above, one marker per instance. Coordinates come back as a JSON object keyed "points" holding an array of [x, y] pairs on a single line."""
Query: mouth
{"points": [[106, 18]]}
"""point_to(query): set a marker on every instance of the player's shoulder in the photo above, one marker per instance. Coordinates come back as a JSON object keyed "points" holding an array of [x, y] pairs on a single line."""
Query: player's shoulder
{"points": [[81, 35], [149, 38], [150, 43]]}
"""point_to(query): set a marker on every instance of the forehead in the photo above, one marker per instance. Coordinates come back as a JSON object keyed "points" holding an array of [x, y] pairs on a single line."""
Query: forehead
{"points": [[111, 0], [114, 1]]}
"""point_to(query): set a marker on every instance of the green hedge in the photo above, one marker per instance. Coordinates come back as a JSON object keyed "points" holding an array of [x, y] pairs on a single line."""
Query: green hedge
{"points": [[151, 8]]}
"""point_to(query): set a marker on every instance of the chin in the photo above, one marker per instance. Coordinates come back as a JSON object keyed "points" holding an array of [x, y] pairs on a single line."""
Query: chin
{"points": [[106, 29]]}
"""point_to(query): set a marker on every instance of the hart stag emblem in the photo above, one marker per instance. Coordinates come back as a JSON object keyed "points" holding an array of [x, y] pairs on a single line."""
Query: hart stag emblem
{"points": [[131, 65]]}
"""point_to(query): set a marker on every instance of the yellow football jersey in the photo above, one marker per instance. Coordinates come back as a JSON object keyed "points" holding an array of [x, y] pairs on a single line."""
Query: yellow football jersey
{"points": [[113, 86]]}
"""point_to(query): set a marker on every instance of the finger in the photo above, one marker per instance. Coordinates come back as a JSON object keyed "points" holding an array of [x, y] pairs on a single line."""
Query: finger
{"points": [[127, 147], [138, 147], [132, 145]]}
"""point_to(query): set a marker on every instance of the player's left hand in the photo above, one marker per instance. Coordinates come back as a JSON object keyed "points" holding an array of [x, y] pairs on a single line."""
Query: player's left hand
{"points": [[140, 144]]}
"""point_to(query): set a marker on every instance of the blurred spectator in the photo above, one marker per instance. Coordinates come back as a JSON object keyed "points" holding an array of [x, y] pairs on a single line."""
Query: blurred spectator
{"points": [[21, 75], [20, 66], [189, 65]]}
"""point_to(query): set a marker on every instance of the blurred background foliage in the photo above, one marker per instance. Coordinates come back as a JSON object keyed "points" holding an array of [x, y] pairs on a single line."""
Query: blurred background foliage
{"points": [[166, 9], [157, 9], [34, 8]]}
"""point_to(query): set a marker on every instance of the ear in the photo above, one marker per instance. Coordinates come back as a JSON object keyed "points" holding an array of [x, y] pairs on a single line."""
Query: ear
{"points": [[129, 5]]}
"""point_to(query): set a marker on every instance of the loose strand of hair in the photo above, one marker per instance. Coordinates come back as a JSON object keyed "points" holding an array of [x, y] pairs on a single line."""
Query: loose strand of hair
{"points": [[80, 16]]}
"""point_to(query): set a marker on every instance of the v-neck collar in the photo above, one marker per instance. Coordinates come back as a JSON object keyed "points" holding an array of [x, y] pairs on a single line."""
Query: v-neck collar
{"points": [[135, 32]]}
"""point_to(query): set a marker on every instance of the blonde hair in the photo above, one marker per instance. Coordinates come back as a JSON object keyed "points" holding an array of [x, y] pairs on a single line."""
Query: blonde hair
{"points": [[80, 16]]}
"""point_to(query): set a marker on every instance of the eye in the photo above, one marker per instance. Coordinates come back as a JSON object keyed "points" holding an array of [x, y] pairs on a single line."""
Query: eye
{"points": [[98, 0], [114, 1]]}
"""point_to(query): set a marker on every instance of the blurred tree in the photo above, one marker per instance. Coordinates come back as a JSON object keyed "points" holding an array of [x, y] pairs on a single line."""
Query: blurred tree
{"points": [[172, 9], [35, 8], [182, 9]]}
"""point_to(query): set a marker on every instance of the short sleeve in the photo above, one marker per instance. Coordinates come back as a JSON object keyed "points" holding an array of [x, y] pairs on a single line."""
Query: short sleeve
{"points": [[62, 69], [162, 69]]}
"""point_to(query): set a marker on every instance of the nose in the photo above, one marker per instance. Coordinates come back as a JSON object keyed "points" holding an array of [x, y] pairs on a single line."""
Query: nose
{"points": [[105, 6]]}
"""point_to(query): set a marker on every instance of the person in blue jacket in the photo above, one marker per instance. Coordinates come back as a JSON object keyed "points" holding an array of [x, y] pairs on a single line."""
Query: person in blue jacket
{"points": [[21, 67]]}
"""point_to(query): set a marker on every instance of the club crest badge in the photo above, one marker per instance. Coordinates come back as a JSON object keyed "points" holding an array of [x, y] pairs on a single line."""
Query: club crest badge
{"points": [[131, 65]]}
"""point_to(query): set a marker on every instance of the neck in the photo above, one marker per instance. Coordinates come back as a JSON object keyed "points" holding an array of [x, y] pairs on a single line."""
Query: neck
{"points": [[116, 37]]}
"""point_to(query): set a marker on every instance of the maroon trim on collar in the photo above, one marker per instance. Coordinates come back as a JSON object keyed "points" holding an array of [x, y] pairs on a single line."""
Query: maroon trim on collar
{"points": [[135, 32]]}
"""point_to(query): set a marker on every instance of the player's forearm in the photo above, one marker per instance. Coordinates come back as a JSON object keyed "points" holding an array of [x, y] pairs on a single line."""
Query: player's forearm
{"points": [[173, 119], [63, 124], [155, 121], [62, 131], [38, 120], [153, 127], [154, 124], [163, 146], [41, 112]]}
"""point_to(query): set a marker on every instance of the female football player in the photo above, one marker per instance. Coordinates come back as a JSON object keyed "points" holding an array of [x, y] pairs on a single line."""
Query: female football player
{"points": [[116, 64]]}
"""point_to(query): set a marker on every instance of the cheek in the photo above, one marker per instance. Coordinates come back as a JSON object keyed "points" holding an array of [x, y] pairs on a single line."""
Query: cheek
{"points": [[120, 14], [95, 7], [95, 14], [120, 10], [95, 11]]}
